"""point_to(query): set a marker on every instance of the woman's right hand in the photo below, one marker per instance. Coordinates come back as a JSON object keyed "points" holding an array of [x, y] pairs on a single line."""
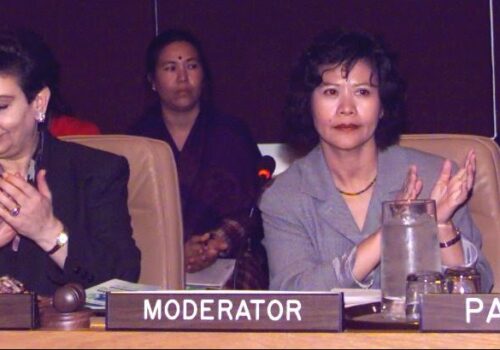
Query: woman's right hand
{"points": [[7, 233], [201, 251], [411, 186]]}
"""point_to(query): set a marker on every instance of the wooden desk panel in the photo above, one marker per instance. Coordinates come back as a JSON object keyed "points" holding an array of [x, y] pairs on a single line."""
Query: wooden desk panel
{"points": [[103, 339]]}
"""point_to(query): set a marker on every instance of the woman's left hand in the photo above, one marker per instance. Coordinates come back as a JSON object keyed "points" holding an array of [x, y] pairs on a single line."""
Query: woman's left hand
{"points": [[35, 218], [450, 192]]}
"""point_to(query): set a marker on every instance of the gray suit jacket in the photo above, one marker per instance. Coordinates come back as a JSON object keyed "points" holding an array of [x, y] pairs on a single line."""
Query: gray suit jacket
{"points": [[311, 236]]}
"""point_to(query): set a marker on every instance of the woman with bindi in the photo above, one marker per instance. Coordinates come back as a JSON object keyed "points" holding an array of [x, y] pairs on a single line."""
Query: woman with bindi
{"points": [[215, 154]]}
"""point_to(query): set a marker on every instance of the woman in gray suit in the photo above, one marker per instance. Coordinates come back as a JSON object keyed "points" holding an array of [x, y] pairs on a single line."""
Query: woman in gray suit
{"points": [[322, 216]]}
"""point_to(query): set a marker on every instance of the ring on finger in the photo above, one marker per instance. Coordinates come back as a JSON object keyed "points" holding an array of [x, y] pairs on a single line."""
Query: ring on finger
{"points": [[15, 211]]}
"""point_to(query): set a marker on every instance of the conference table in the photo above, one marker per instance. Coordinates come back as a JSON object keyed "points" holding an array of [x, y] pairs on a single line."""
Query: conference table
{"points": [[358, 332], [98, 337]]}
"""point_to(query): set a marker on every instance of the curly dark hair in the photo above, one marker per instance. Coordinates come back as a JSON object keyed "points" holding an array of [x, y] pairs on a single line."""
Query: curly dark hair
{"points": [[345, 48], [170, 36], [26, 56]]}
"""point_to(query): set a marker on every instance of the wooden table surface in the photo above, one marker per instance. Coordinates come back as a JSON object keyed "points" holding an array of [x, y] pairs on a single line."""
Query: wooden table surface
{"points": [[97, 337]]}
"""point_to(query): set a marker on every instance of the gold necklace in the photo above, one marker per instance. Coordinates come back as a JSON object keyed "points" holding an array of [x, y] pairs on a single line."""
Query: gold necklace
{"points": [[351, 194]]}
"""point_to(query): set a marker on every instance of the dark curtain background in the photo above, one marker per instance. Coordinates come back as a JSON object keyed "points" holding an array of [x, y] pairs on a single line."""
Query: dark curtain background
{"points": [[443, 47]]}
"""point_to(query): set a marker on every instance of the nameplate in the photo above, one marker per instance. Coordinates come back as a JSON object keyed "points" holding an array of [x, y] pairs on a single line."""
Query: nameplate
{"points": [[460, 313], [224, 311], [17, 311]]}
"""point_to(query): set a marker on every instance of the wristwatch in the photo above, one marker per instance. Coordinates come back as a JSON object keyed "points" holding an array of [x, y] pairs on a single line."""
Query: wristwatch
{"points": [[61, 241]]}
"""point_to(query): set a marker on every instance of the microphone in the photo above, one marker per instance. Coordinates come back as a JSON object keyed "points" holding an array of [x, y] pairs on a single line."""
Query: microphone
{"points": [[265, 169]]}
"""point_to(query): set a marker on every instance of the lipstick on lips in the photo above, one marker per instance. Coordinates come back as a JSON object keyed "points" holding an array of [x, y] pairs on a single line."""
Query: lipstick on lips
{"points": [[346, 127]]}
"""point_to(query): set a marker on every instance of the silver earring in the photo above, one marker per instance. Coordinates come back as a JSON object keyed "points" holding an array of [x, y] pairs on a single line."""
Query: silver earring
{"points": [[153, 87], [41, 117]]}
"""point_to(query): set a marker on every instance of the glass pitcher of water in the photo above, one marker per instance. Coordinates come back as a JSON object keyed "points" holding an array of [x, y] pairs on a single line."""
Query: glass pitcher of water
{"points": [[409, 245]]}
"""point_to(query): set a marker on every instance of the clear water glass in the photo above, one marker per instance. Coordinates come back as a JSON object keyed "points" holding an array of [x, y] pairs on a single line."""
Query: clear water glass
{"points": [[418, 284], [409, 244], [462, 280]]}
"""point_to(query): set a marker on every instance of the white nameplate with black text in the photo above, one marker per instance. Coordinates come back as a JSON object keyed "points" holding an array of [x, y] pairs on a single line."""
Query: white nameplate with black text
{"points": [[231, 310], [460, 313]]}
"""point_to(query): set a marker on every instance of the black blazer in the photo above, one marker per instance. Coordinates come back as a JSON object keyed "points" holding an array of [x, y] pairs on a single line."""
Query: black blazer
{"points": [[89, 194]]}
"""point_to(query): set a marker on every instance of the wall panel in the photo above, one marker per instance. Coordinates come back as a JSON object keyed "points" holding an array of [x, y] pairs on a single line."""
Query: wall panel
{"points": [[443, 47], [100, 45]]}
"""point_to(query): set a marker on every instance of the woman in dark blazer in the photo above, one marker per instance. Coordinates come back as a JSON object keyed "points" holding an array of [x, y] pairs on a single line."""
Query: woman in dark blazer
{"points": [[63, 207]]}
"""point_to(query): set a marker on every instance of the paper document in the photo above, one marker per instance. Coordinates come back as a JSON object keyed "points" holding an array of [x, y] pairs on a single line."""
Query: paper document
{"points": [[96, 296], [358, 296], [214, 277]]}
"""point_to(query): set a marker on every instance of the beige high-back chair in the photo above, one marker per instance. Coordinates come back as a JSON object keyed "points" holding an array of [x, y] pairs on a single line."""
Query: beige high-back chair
{"points": [[153, 202], [484, 205]]}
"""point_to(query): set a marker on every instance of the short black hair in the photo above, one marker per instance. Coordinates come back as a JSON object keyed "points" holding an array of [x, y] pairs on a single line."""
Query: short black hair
{"points": [[26, 56], [170, 36], [345, 48]]}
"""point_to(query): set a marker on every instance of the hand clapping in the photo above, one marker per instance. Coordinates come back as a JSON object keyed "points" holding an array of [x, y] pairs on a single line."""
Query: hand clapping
{"points": [[7, 233], [34, 217], [450, 192], [412, 185]]}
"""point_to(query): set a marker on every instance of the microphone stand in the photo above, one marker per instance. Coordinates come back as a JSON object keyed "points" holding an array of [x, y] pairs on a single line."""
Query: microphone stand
{"points": [[254, 223]]}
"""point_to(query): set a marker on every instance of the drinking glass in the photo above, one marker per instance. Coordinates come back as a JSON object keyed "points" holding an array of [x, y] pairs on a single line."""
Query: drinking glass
{"points": [[409, 244], [462, 280], [418, 284]]}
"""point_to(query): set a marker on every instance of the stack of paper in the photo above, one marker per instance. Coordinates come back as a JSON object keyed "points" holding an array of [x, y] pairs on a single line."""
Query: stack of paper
{"points": [[96, 296], [358, 296], [213, 277]]}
